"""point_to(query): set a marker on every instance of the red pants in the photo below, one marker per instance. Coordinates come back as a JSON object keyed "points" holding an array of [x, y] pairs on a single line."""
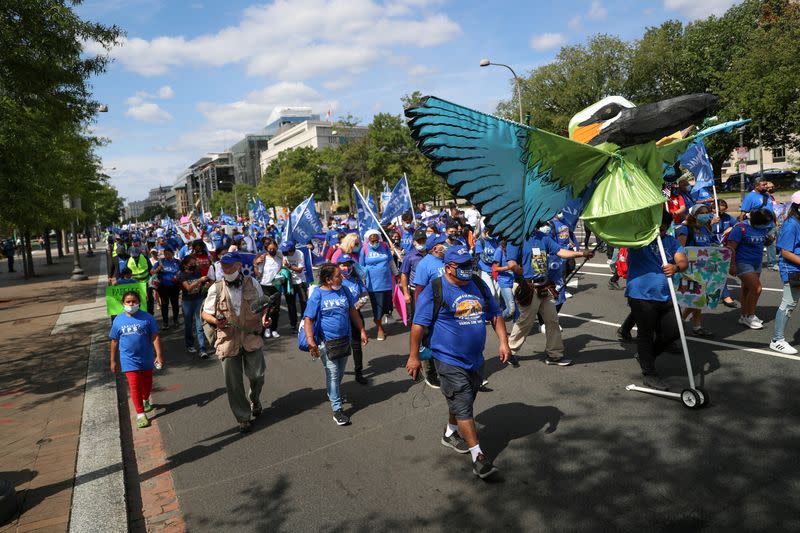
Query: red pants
{"points": [[140, 383]]}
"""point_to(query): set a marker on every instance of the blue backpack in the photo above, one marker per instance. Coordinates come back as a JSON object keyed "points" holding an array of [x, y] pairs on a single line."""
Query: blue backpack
{"points": [[302, 342]]}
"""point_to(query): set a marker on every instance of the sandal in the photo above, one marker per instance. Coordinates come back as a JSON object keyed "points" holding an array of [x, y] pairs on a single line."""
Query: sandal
{"points": [[701, 332]]}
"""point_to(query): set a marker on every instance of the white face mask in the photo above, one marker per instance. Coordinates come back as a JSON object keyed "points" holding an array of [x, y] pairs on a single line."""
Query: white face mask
{"points": [[231, 277], [336, 287], [544, 229], [131, 309], [419, 247]]}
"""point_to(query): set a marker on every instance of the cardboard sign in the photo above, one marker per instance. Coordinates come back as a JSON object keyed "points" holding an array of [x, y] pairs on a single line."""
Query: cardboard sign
{"points": [[114, 294], [188, 232]]}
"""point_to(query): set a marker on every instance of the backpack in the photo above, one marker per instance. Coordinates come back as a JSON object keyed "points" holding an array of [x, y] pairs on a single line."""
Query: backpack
{"points": [[741, 225], [438, 301]]}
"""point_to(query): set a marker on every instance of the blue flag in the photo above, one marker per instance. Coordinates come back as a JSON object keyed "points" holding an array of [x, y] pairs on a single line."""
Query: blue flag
{"points": [[399, 202], [371, 203], [260, 211], [305, 222], [572, 211], [226, 219], [695, 160], [365, 220]]}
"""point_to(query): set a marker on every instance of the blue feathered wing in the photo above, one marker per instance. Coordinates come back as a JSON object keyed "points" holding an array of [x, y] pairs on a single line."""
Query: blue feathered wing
{"points": [[516, 175]]}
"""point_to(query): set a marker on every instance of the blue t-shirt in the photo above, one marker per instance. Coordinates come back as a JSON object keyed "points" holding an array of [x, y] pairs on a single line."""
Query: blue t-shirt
{"points": [[335, 306], [430, 267], [169, 270], [409, 265], [407, 239], [701, 195], [484, 251], [533, 254], [751, 241], [725, 221], [646, 280], [354, 286], [505, 278], [376, 263], [756, 200], [135, 336], [789, 240], [459, 335], [183, 252], [332, 237], [697, 237]]}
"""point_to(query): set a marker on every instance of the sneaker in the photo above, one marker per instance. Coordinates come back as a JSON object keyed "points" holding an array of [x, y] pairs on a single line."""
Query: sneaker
{"points": [[340, 418], [567, 295], [624, 335], [191, 349], [513, 361], [147, 407], [559, 362], [701, 332], [776, 268], [275, 334], [484, 382], [385, 319], [165, 327], [754, 317], [381, 338], [203, 354], [257, 409], [360, 378], [244, 427], [483, 467], [655, 382], [433, 381], [750, 323], [456, 442], [782, 346], [142, 422], [614, 286], [267, 334], [543, 328]]}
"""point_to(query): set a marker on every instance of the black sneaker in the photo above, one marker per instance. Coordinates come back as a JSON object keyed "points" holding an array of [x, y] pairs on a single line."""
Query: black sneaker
{"points": [[360, 378], [257, 409], [340, 418], [165, 327], [433, 381], [614, 286], [513, 361], [560, 362], [624, 335], [456, 442], [244, 427], [655, 382], [483, 467]]}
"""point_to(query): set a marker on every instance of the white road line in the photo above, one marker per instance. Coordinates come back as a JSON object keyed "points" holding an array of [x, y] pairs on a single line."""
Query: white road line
{"points": [[609, 275], [695, 339]]}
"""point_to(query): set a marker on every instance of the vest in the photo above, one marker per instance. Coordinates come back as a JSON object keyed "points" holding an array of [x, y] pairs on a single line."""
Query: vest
{"points": [[243, 331], [140, 267]]}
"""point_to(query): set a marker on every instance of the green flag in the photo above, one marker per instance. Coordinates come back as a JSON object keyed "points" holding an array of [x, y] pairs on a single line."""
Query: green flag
{"points": [[114, 294]]}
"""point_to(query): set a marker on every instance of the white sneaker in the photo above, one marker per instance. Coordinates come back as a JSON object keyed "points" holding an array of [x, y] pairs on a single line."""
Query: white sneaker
{"points": [[385, 319], [750, 323], [782, 346], [776, 268], [543, 328], [191, 349], [267, 334], [567, 295], [275, 334], [754, 317]]}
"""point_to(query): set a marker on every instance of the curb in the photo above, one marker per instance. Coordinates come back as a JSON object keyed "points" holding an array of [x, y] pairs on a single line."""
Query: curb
{"points": [[98, 499]]}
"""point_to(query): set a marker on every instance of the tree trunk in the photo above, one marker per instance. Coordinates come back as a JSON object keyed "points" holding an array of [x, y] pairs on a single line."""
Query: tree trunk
{"points": [[47, 252], [28, 254], [65, 239], [60, 243]]}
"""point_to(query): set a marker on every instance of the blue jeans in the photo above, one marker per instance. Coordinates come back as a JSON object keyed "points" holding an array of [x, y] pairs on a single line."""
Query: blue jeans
{"points": [[334, 372], [772, 255], [191, 317], [788, 303], [507, 293]]}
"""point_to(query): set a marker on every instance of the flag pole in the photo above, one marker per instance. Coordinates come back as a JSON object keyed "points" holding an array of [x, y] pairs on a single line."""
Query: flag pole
{"points": [[369, 210], [410, 201], [716, 203]]}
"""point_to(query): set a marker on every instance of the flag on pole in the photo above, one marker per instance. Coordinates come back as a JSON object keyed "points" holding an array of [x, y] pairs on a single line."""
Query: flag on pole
{"points": [[305, 221], [695, 160], [226, 219], [371, 203], [365, 220], [398, 203]]}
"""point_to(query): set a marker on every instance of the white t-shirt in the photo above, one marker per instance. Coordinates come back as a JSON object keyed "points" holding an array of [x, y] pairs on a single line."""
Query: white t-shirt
{"points": [[215, 272], [473, 216], [271, 267], [236, 296], [296, 260]]}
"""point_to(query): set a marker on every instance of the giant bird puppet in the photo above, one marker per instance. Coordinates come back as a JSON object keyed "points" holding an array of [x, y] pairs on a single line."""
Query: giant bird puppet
{"points": [[519, 175]]}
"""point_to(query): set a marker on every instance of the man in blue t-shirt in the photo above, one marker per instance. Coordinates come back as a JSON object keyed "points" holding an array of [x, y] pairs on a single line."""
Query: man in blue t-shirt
{"points": [[457, 341], [431, 266], [756, 199], [407, 233], [789, 245], [531, 262]]}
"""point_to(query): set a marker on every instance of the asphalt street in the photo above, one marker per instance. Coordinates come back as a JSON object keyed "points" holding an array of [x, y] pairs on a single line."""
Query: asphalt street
{"points": [[577, 452]]}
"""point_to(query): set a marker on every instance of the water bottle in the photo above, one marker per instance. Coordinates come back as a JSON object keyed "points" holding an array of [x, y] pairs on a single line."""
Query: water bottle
{"points": [[158, 365], [323, 350]]}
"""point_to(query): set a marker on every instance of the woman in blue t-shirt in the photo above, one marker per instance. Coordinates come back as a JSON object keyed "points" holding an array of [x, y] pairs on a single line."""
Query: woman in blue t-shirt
{"points": [[334, 307], [505, 280], [351, 281], [377, 261], [747, 240], [788, 244], [169, 290], [696, 231], [484, 251], [134, 339]]}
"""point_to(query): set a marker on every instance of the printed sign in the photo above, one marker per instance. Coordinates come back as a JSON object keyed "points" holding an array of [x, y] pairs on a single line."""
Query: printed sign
{"points": [[114, 294], [700, 286], [188, 232]]}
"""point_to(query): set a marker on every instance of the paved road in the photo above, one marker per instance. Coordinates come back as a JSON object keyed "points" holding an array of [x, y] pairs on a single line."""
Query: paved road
{"points": [[577, 451]]}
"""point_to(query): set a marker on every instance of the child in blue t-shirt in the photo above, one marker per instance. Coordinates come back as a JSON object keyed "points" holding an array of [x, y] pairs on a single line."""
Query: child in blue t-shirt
{"points": [[505, 280], [134, 338]]}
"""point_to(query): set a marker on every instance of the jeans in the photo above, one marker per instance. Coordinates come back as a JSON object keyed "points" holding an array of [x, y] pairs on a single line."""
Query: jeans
{"points": [[169, 296], [494, 288], [334, 372], [657, 329], [788, 303], [299, 292], [772, 255], [191, 316], [507, 293]]}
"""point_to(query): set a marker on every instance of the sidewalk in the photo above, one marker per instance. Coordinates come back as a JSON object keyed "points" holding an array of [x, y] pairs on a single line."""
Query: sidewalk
{"points": [[42, 380]]}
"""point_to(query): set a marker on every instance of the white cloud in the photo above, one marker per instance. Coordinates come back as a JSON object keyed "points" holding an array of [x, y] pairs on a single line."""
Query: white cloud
{"points": [[696, 9], [166, 92], [305, 37], [597, 11], [338, 84], [421, 70], [136, 174], [137, 98], [148, 112], [546, 41], [575, 23]]}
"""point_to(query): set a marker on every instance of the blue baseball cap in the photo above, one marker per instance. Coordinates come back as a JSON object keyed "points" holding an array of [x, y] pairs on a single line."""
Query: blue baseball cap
{"points": [[344, 258], [457, 254], [433, 240], [286, 246], [231, 258], [238, 237]]}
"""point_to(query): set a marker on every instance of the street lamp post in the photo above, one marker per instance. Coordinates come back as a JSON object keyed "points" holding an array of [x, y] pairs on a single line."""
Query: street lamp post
{"points": [[517, 82]]}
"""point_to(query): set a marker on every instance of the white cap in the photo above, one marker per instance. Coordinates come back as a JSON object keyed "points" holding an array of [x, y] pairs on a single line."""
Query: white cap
{"points": [[796, 198]]}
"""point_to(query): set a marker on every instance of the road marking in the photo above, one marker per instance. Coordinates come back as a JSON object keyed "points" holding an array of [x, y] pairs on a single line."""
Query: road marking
{"points": [[609, 275], [690, 338]]}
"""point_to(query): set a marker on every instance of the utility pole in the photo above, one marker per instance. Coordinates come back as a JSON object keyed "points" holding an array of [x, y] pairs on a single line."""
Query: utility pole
{"points": [[760, 153], [741, 174]]}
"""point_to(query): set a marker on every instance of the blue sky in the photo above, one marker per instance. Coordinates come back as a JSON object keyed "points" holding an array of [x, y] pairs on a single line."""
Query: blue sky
{"points": [[193, 75]]}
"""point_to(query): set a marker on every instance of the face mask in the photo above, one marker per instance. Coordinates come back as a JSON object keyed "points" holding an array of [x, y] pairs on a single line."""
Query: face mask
{"points": [[544, 229], [464, 274], [272, 252], [406, 226], [375, 245], [231, 277], [131, 309], [135, 252], [705, 218], [451, 236], [420, 247], [336, 287], [396, 242]]}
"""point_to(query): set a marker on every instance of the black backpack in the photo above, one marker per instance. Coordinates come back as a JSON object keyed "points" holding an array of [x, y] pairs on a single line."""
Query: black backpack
{"points": [[438, 301]]}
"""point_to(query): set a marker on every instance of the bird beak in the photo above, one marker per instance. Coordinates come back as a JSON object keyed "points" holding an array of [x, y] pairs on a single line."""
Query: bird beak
{"points": [[651, 122], [584, 134]]}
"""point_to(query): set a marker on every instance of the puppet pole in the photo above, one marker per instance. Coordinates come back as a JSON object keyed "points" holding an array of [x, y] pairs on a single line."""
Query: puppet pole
{"points": [[410, 201], [678, 318], [716, 204]]}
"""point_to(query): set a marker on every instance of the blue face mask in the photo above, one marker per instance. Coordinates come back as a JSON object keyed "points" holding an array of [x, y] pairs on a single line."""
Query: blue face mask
{"points": [[705, 218], [464, 274], [375, 245]]}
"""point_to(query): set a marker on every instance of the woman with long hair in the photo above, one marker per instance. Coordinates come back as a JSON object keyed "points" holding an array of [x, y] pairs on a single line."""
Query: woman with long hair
{"points": [[350, 245], [788, 244]]}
